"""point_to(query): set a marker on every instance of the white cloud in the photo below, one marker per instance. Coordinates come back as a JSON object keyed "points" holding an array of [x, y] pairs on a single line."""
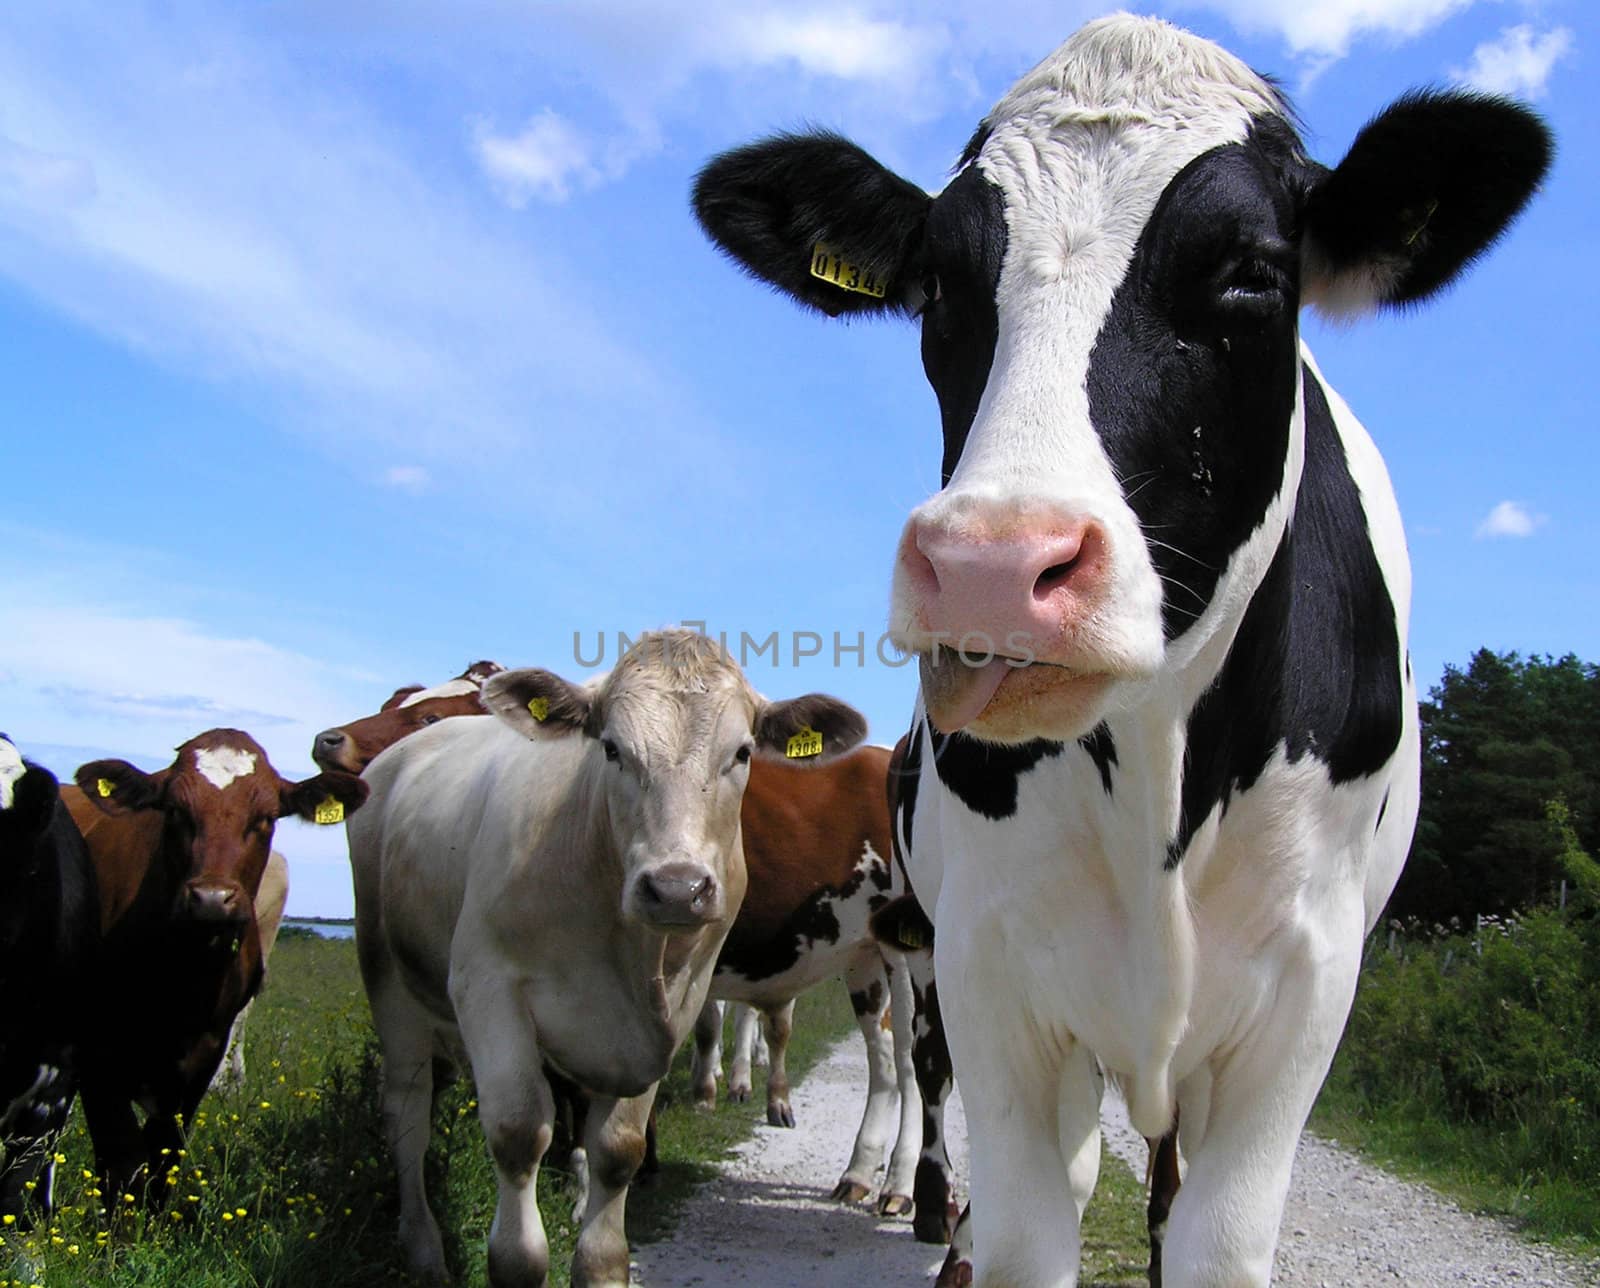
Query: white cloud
{"points": [[1518, 62], [545, 160], [1510, 519], [843, 44], [408, 478], [1324, 30]]}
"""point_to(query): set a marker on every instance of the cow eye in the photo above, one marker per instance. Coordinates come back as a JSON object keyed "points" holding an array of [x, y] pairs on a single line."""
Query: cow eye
{"points": [[932, 291], [1256, 291], [610, 748], [743, 754], [430, 719]]}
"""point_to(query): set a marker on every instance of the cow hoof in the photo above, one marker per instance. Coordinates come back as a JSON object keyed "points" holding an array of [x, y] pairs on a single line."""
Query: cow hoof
{"points": [[738, 1094], [780, 1116], [957, 1272], [933, 1227], [894, 1204], [848, 1191], [707, 1103]]}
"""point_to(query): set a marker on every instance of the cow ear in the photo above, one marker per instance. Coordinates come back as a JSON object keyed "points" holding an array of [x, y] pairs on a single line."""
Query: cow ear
{"points": [[901, 924], [1428, 186], [538, 703], [326, 798], [809, 729], [818, 218], [116, 787], [400, 695], [478, 672]]}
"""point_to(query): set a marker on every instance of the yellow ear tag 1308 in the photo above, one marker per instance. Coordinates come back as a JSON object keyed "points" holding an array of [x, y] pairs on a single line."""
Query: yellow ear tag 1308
{"points": [[539, 709], [104, 787], [330, 811], [808, 742], [829, 265]]}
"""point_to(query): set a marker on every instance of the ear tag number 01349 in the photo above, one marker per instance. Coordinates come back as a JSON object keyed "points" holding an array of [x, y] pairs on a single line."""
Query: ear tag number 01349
{"points": [[330, 811], [828, 265], [808, 742]]}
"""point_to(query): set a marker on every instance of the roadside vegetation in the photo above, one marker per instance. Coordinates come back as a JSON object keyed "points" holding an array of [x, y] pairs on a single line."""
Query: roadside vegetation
{"points": [[1472, 1057]]}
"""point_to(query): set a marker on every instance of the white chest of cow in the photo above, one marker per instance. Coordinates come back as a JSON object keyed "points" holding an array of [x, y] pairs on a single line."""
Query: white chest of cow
{"points": [[1166, 747]]}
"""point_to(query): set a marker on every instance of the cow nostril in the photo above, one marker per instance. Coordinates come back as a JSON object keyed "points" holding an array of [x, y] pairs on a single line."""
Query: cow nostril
{"points": [[1053, 576], [330, 738]]}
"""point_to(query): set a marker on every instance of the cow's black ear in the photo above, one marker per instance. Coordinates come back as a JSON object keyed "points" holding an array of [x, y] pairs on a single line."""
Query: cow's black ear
{"points": [[327, 797], [116, 787], [1428, 186], [537, 703], [809, 730], [819, 219]]}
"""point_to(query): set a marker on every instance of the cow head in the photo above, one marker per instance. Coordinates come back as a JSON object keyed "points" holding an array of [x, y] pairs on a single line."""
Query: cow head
{"points": [[672, 728], [220, 801], [28, 796], [352, 747], [1109, 292]]}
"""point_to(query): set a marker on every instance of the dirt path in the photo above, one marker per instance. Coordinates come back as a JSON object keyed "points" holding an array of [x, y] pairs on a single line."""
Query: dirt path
{"points": [[767, 1221]]}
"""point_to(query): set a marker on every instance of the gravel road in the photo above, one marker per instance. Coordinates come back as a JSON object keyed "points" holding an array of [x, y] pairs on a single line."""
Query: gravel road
{"points": [[767, 1221]]}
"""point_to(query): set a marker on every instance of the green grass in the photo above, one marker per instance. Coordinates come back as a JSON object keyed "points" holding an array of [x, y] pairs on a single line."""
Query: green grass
{"points": [[1116, 1247], [1470, 1163], [288, 1180]]}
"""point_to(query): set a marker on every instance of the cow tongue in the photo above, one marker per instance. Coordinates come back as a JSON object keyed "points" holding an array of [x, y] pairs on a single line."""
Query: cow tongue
{"points": [[955, 692]]}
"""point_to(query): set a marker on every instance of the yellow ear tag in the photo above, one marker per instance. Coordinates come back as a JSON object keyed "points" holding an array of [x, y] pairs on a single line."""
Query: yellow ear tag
{"points": [[330, 811], [827, 265], [911, 936], [539, 709], [104, 787], [808, 742]]}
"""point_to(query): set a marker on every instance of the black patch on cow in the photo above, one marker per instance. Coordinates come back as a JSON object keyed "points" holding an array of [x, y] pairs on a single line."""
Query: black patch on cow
{"points": [[867, 1001], [969, 154], [903, 791], [963, 247], [1102, 750], [984, 776], [1192, 378], [1383, 808], [757, 957], [1315, 666]]}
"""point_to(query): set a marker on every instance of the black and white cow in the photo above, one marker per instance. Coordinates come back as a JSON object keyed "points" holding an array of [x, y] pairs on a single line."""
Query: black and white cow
{"points": [[49, 930], [1172, 781]]}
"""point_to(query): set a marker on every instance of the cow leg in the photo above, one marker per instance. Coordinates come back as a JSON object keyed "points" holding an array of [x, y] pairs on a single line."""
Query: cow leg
{"points": [[1242, 1118], [707, 1067], [517, 1110], [934, 1209], [616, 1144], [956, 1272], [896, 1196], [405, 1036], [869, 998], [114, 1133], [1033, 1119], [779, 1024], [27, 1173], [1164, 1182], [745, 1022]]}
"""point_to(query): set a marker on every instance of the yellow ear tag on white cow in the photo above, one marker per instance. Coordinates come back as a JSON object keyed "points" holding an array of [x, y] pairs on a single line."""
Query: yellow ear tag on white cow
{"points": [[104, 787], [808, 742], [539, 709], [330, 811], [828, 265]]}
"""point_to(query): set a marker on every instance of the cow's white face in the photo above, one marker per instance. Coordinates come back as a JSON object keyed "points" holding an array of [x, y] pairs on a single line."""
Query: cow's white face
{"points": [[1116, 276], [1109, 293], [674, 726], [11, 769]]}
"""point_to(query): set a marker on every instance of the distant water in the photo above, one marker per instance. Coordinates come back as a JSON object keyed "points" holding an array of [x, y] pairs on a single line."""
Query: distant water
{"points": [[327, 929]]}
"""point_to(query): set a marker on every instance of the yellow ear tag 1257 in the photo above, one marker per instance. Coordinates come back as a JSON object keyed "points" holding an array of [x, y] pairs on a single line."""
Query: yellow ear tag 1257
{"points": [[104, 787], [330, 811], [829, 265], [808, 742], [539, 709]]}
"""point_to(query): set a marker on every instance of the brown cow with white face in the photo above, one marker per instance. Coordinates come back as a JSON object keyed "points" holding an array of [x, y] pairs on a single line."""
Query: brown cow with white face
{"points": [[352, 747], [178, 857]]}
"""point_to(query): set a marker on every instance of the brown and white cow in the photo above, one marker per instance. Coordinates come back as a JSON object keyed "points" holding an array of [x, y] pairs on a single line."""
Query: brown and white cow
{"points": [[352, 747], [554, 886], [178, 858], [816, 843]]}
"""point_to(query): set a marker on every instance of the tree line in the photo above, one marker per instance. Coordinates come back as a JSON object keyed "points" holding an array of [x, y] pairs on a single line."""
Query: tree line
{"points": [[1509, 781]]}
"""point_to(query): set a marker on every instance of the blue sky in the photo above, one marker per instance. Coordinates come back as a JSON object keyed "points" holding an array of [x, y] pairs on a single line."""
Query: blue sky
{"points": [[347, 343]]}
